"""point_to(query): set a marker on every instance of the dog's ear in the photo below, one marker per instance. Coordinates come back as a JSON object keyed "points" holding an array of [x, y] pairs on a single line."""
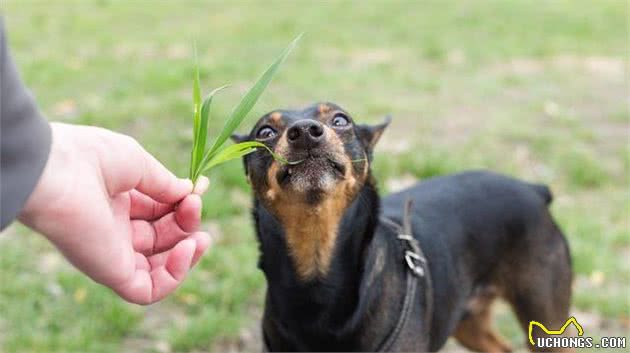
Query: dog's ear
{"points": [[370, 134], [238, 138]]}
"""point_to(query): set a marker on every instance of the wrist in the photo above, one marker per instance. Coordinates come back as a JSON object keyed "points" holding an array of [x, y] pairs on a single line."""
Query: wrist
{"points": [[54, 180]]}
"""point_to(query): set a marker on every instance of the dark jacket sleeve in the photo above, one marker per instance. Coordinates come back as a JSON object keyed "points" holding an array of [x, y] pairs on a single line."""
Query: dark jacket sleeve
{"points": [[25, 138]]}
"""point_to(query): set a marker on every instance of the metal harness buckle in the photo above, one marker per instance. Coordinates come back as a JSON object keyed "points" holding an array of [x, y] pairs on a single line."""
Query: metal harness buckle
{"points": [[412, 255]]}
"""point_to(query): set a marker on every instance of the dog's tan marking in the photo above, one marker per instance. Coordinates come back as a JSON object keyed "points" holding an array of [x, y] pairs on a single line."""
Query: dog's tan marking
{"points": [[275, 117], [475, 332], [311, 233], [282, 145], [274, 188], [311, 230], [323, 109], [333, 139]]}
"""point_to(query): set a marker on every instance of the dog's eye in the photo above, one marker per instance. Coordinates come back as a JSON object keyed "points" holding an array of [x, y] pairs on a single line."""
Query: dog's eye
{"points": [[265, 132], [340, 120]]}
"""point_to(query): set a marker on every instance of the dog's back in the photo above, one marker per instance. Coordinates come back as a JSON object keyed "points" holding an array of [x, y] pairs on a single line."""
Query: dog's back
{"points": [[486, 235]]}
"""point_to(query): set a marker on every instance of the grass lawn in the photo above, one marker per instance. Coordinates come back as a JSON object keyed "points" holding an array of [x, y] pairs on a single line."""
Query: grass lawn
{"points": [[538, 90]]}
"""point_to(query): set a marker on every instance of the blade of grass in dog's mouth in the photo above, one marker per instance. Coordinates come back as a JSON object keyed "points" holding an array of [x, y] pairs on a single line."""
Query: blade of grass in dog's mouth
{"points": [[202, 159]]}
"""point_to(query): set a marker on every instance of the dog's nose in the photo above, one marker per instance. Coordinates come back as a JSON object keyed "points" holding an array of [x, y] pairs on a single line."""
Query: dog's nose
{"points": [[305, 134]]}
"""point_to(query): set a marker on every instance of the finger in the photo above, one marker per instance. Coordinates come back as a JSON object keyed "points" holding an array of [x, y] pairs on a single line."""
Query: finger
{"points": [[142, 237], [202, 241], [178, 225], [166, 278], [188, 213], [142, 263], [160, 184], [148, 238], [137, 170], [166, 233], [138, 290], [201, 186], [148, 287], [144, 207]]}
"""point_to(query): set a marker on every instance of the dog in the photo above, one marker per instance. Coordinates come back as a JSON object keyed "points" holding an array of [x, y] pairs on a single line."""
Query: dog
{"points": [[347, 271]]}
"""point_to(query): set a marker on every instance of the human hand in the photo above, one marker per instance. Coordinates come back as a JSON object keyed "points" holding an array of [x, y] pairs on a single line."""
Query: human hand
{"points": [[116, 213]]}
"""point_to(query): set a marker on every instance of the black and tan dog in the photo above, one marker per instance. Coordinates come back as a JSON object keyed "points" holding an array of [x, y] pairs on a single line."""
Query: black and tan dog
{"points": [[343, 276]]}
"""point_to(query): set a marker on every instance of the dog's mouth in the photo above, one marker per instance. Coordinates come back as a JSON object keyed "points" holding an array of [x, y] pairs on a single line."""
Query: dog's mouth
{"points": [[312, 172]]}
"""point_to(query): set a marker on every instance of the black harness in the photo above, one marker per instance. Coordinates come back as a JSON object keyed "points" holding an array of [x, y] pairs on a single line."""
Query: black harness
{"points": [[417, 266]]}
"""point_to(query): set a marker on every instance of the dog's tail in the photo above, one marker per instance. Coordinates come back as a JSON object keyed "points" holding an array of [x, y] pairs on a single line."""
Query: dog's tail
{"points": [[544, 192]]}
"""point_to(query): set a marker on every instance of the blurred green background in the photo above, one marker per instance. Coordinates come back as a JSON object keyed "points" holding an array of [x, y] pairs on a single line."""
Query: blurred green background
{"points": [[536, 89]]}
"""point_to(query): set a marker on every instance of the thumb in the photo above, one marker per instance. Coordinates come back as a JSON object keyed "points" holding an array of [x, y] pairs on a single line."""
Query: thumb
{"points": [[126, 166], [160, 184]]}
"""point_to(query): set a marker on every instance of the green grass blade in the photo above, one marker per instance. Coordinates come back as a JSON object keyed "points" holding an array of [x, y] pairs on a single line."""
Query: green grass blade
{"points": [[231, 152], [201, 159], [202, 133], [236, 151], [250, 98], [196, 119]]}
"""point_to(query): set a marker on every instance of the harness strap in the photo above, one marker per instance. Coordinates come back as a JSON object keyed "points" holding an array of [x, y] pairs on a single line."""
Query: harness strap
{"points": [[417, 266]]}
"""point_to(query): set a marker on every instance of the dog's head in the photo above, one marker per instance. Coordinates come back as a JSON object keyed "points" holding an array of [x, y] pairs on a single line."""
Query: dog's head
{"points": [[327, 162], [326, 153]]}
